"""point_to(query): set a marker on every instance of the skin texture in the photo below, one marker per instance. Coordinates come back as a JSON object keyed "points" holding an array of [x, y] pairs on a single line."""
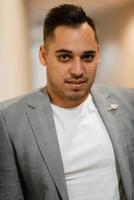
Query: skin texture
{"points": [[71, 59]]}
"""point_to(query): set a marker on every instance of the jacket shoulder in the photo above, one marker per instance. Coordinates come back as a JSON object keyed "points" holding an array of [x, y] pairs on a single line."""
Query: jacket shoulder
{"points": [[122, 95], [20, 101], [114, 90]]}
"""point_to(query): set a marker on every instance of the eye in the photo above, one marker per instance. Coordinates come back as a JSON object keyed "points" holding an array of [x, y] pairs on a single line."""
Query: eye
{"points": [[88, 57], [64, 57]]}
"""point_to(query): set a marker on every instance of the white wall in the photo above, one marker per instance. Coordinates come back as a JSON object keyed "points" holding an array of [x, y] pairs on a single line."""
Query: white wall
{"points": [[15, 68]]}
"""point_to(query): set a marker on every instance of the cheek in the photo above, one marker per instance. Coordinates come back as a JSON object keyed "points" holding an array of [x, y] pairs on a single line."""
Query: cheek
{"points": [[91, 69], [56, 74]]}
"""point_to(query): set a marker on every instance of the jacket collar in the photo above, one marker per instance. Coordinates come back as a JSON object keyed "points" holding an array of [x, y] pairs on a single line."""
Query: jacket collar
{"points": [[116, 122], [39, 113]]}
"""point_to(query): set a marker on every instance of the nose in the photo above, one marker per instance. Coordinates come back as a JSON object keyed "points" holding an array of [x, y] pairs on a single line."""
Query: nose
{"points": [[77, 69]]}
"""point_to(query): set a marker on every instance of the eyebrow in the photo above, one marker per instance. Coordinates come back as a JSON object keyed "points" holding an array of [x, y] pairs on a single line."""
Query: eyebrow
{"points": [[70, 52], [63, 51]]}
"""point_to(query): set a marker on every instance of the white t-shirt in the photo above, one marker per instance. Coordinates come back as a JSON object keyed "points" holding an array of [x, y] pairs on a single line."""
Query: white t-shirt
{"points": [[87, 153]]}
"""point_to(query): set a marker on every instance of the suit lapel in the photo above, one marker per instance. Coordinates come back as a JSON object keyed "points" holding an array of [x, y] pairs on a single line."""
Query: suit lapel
{"points": [[117, 129], [41, 120]]}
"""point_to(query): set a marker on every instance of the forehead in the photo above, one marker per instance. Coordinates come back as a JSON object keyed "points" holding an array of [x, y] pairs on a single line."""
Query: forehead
{"points": [[81, 37]]}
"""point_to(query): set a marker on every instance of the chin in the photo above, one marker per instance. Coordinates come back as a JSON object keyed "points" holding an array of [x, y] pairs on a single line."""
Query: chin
{"points": [[79, 95]]}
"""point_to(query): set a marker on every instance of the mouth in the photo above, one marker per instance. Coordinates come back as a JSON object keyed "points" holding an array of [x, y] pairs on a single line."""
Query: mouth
{"points": [[76, 84]]}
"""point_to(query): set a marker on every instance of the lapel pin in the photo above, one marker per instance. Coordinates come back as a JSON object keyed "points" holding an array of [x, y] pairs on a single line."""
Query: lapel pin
{"points": [[113, 107]]}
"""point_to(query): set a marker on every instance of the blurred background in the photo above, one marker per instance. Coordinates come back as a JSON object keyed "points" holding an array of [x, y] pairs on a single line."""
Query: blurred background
{"points": [[21, 26]]}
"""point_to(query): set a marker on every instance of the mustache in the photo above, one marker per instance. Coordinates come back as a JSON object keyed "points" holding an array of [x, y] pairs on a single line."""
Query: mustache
{"points": [[75, 80]]}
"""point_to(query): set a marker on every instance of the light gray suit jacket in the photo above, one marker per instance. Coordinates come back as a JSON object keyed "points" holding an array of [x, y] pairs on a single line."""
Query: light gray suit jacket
{"points": [[31, 167]]}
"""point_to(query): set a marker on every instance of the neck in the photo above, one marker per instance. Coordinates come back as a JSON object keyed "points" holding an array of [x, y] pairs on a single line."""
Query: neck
{"points": [[68, 102]]}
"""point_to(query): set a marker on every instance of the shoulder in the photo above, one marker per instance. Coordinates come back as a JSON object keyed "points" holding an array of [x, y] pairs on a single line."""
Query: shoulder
{"points": [[18, 103], [114, 90], [121, 95]]}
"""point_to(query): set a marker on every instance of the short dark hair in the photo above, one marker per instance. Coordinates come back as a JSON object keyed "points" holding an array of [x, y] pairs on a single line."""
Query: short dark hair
{"points": [[66, 15]]}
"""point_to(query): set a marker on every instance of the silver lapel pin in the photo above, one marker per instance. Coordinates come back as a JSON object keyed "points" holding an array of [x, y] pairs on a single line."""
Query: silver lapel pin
{"points": [[113, 107]]}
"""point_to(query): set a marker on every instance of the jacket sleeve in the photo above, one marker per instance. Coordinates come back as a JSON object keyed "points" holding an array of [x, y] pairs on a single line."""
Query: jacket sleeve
{"points": [[10, 187]]}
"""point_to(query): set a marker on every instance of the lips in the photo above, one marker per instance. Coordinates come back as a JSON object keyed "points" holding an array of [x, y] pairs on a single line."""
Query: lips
{"points": [[75, 84]]}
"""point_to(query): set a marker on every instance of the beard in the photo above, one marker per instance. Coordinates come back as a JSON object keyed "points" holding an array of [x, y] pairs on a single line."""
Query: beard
{"points": [[77, 95], [67, 95]]}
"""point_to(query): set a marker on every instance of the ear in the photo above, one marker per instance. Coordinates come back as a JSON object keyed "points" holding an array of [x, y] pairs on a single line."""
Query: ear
{"points": [[42, 55], [98, 50]]}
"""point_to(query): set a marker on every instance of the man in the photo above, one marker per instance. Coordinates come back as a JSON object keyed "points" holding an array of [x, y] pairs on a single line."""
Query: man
{"points": [[68, 141]]}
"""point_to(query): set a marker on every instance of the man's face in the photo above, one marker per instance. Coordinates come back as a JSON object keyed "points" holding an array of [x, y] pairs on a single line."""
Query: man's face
{"points": [[71, 59]]}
